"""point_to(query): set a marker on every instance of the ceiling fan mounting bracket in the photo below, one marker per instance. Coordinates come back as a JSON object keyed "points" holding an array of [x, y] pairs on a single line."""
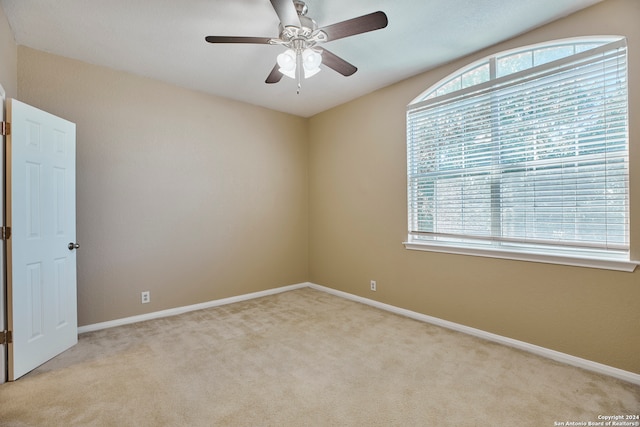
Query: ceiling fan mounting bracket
{"points": [[301, 7]]}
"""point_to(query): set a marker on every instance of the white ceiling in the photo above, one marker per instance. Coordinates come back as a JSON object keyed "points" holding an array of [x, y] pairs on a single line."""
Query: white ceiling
{"points": [[164, 39]]}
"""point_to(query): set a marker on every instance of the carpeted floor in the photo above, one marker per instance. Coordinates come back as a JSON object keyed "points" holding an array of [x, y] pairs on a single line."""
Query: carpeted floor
{"points": [[304, 358]]}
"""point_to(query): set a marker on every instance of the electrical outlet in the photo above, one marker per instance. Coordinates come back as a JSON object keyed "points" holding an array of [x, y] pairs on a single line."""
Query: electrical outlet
{"points": [[373, 285], [145, 297]]}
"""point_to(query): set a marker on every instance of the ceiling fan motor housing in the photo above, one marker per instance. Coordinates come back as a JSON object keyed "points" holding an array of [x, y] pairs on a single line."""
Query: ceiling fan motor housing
{"points": [[304, 36], [307, 31]]}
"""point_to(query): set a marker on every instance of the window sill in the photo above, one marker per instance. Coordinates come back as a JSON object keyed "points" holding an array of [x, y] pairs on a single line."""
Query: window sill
{"points": [[544, 256]]}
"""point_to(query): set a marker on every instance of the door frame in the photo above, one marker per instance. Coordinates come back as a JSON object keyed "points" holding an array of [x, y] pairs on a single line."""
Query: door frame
{"points": [[3, 283]]}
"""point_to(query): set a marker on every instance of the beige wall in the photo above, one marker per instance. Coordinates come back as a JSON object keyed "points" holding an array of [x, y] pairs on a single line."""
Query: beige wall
{"points": [[8, 58], [189, 196], [358, 221]]}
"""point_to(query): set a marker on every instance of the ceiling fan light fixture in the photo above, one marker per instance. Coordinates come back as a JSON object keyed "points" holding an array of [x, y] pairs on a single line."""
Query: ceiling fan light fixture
{"points": [[287, 62], [310, 73], [311, 61]]}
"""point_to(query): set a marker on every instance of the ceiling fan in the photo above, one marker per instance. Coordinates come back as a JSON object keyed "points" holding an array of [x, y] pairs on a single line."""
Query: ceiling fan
{"points": [[301, 36]]}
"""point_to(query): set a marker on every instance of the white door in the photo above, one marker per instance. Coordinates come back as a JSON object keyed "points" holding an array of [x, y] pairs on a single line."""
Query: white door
{"points": [[41, 252]]}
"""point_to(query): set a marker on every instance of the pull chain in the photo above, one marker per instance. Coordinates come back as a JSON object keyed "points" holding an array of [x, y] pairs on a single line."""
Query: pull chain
{"points": [[299, 70]]}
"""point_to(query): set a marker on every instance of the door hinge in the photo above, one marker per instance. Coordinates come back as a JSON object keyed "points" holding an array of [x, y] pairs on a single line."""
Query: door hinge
{"points": [[5, 128], [5, 233], [6, 337]]}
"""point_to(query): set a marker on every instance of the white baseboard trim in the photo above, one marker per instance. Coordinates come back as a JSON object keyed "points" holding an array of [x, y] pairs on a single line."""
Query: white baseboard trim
{"points": [[187, 308], [521, 345]]}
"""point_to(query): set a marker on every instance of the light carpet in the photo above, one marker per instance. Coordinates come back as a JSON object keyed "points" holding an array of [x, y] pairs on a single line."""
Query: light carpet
{"points": [[304, 358]]}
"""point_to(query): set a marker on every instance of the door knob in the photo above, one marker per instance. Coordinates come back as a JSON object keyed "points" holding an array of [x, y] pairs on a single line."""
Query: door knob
{"points": [[73, 246]]}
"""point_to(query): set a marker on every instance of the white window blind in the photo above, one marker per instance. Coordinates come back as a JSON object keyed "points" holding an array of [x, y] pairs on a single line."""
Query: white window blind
{"points": [[537, 158]]}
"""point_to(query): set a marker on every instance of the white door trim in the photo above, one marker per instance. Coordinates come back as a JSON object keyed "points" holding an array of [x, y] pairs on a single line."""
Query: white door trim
{"points": [[3, 282]]}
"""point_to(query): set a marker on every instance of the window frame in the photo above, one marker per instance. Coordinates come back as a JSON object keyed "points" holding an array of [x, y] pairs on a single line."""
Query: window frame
{"points": [[486, 247]]}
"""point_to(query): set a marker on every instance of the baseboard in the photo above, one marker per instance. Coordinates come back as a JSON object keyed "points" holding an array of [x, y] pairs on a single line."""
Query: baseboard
{"points": [[521, 345], [188, 308]]}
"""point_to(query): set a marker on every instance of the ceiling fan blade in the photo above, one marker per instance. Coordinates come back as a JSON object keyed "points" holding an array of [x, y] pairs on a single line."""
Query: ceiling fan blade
{"points": [[359, 25], [286, 12], [274, 76], [336, 63], [226, 39]]}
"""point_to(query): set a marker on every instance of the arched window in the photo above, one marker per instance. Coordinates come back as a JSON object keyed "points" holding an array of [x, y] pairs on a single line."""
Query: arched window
{"points": [[524, 154]]}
